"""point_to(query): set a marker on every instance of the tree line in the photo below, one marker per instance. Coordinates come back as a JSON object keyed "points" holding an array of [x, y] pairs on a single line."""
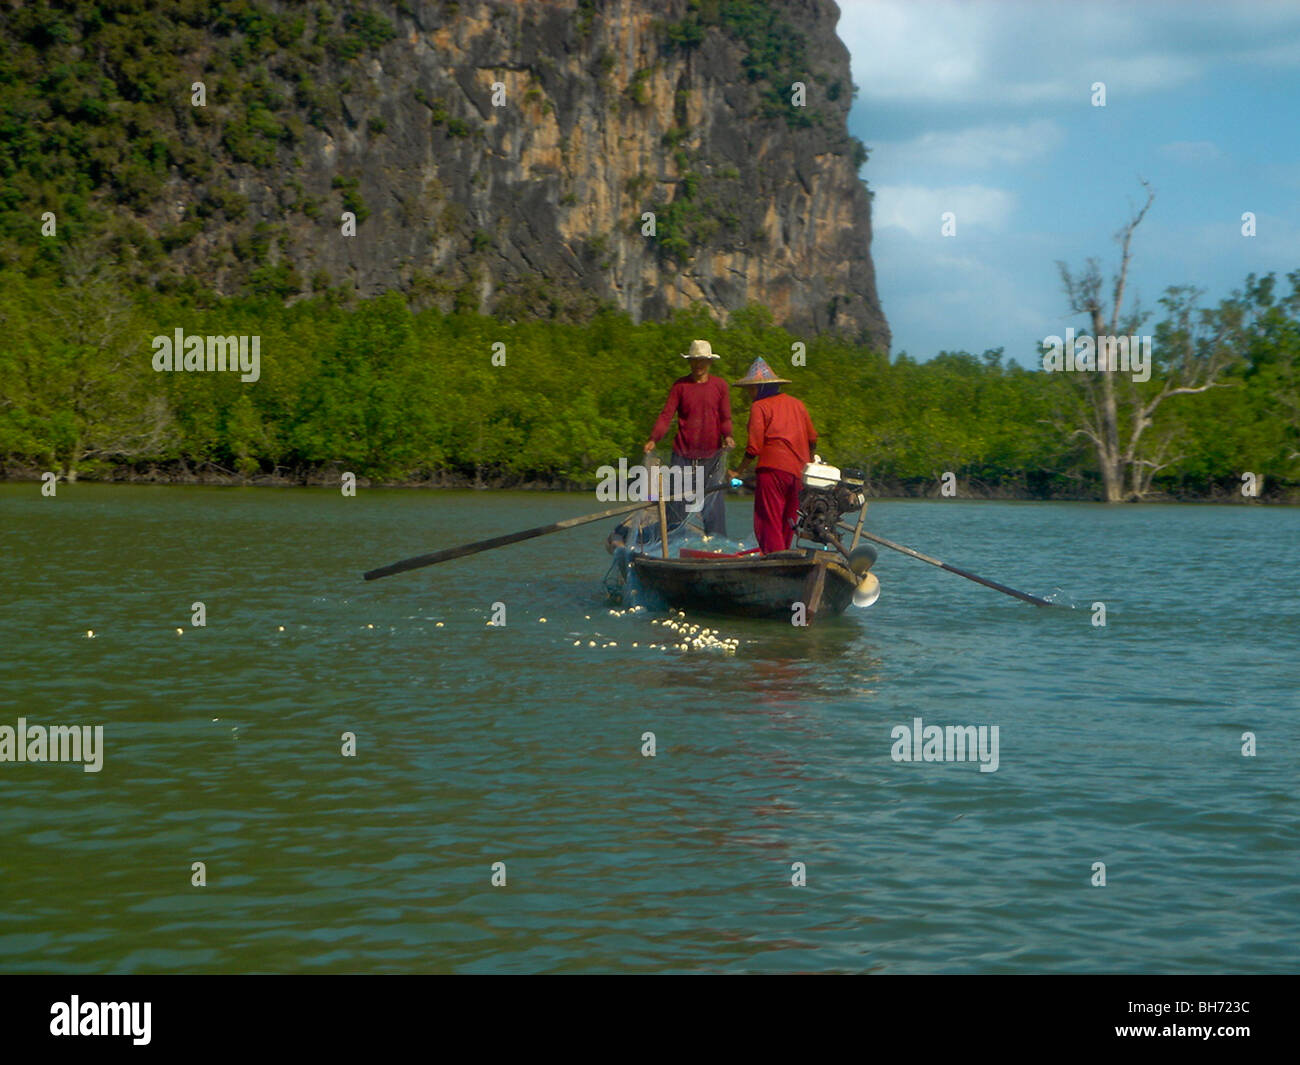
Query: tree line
{"points": [[396, 395]]}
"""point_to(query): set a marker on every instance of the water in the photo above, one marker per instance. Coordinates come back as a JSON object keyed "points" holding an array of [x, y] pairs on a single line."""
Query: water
{"points": [[478, 745]]}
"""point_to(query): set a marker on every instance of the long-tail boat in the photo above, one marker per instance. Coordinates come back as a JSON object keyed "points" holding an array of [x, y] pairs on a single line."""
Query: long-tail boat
{"points": [[802, 584], [811, 579]]}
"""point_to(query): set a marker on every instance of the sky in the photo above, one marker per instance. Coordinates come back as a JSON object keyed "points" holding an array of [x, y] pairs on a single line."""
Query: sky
{"points": [[985, 109]]}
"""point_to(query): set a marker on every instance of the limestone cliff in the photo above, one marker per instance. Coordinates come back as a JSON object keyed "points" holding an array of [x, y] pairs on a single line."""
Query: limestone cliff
{"points": [[499, 155]]}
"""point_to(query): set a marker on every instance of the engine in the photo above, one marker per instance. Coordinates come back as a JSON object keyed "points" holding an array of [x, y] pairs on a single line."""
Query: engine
{"points": [[827, 495]]}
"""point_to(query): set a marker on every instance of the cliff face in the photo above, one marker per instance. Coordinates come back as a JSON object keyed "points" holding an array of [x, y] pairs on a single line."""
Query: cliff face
{"points": [[501, 155]]}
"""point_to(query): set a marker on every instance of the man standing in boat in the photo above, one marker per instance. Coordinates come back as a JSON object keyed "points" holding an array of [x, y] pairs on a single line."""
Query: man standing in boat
{"points": [[702, 405], [781, 440]]}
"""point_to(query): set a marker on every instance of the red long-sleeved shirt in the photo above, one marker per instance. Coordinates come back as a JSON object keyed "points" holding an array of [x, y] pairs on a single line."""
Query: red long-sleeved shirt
{"points": [[703, 412], [781, 434]]}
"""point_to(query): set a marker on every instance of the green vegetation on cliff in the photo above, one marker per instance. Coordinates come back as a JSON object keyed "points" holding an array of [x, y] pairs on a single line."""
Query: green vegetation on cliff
{"points": [[96, 113]]}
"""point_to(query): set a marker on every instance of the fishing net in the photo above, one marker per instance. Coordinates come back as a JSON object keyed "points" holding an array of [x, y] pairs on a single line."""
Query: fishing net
{"points": [[638, 533]]}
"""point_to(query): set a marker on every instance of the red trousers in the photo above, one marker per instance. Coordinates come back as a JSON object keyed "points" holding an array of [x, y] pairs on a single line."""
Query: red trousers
{"points": [[776, 506]]}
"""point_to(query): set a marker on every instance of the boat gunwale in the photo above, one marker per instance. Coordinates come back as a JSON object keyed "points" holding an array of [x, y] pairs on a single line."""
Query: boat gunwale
{"points": [[810, 557]]}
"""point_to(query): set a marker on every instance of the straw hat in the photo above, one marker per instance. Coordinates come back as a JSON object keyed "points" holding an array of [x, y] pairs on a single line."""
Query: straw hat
{"points": [[700, 349], [760, 373]]}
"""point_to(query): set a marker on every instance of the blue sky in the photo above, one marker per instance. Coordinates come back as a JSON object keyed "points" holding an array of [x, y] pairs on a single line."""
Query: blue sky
{"points": [[984, 109]]}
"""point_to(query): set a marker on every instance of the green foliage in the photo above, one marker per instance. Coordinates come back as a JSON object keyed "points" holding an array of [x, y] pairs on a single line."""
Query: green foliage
{"points": [[692, 220], [585, 18], [776, 54], [638, 91], [389, 393], [686, 34], [352, 200], [363, 30], [95, 106], [438, 111], [638, 184]]}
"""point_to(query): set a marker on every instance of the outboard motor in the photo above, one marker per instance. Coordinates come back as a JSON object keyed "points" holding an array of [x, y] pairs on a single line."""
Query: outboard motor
{"points": [[827, 495]]}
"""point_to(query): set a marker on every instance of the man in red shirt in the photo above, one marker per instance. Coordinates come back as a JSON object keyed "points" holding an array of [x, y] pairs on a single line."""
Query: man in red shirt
{"points": [[702, 404], [781, 439]]}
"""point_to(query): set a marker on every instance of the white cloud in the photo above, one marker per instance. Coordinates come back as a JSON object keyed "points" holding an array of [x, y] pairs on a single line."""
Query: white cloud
{"points": [[975, 148], [988, 53], [919, 210], [940, 296]]}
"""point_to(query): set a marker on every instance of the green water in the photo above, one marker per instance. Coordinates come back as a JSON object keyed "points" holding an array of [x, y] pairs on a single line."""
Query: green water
{"points": [[475, 744]]}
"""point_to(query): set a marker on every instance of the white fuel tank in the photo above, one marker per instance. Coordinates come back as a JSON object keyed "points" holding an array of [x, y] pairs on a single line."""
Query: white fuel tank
{"points": [[819, 475]]}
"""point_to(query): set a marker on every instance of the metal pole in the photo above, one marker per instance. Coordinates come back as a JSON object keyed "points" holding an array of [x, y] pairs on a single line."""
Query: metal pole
{"points": [[663, 513], [857, 532]]}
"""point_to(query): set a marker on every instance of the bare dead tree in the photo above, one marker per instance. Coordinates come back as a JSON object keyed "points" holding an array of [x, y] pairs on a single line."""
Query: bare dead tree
{"points": [[1116, 413]]}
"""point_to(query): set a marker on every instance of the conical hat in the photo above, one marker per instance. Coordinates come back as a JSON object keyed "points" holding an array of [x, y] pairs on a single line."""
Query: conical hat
{"points": [[760, 373]]}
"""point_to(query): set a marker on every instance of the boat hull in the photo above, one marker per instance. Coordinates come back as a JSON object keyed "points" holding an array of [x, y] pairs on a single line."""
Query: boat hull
{"points": [[764, 587]]}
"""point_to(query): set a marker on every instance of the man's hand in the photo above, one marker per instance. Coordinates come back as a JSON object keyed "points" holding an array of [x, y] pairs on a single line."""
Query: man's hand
{"points": [[649, 446], [729, 442]]}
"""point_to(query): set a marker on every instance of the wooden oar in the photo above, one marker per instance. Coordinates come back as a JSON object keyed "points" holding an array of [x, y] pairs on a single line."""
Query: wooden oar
{"points": [[953, 569], [449, 553]]}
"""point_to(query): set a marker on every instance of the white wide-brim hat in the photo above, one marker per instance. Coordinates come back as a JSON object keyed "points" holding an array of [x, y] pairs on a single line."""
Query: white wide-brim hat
{"points": [[700, 349]]}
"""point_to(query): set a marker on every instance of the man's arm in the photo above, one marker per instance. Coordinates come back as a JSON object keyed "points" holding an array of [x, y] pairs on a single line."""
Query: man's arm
{"points": [[665, 418]]}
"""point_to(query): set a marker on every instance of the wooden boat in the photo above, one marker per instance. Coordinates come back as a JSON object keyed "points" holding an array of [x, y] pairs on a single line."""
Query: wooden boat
{"points": [[750, 585], [754, 586]]}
